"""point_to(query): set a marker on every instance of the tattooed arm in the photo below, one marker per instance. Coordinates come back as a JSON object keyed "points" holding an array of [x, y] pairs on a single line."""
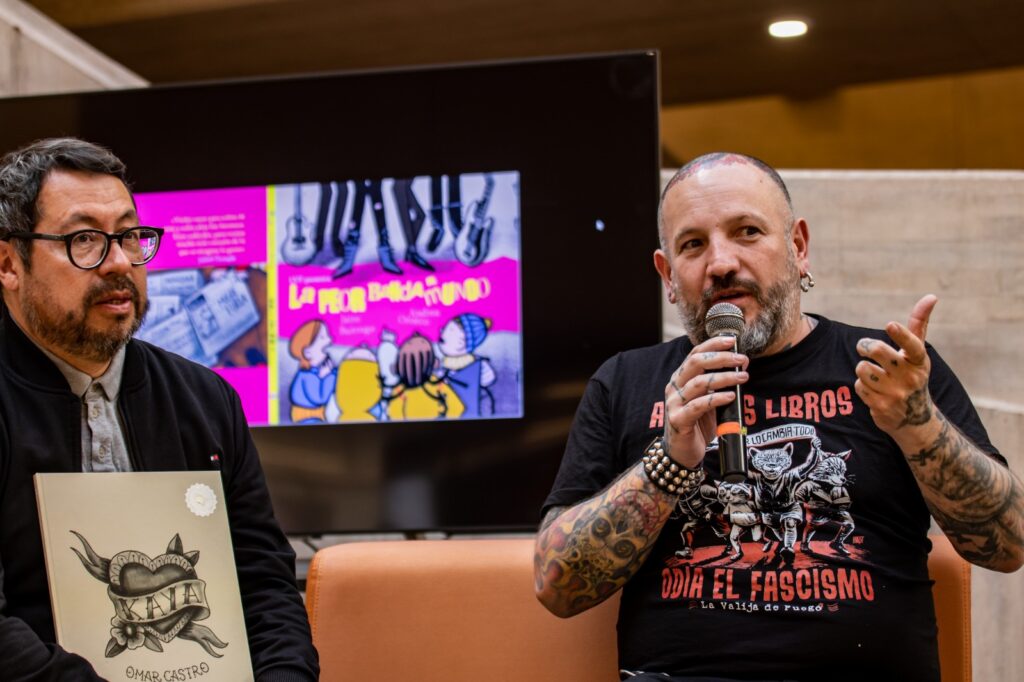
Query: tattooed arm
{"points": [[586, 552], [978, 502]]}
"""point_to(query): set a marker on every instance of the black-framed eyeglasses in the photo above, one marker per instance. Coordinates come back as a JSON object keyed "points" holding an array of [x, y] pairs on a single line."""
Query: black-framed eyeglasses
{"points": [[87, 249]]}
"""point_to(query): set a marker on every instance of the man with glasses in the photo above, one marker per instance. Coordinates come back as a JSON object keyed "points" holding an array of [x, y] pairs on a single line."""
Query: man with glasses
{"points": [[88, 248], [78, 394]]}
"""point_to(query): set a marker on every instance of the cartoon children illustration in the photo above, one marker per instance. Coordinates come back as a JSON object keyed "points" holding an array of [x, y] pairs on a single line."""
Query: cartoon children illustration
{"points": [[358, 392], [387, 361], [421, 395], [314, 382], [468, 374]]}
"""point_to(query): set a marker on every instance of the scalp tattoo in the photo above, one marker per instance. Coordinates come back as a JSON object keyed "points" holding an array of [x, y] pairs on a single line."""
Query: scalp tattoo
{"points": [[712, 160]]}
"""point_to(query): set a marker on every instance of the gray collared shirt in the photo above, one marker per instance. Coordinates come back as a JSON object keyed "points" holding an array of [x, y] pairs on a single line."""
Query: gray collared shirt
{"points": [[103, 445]]}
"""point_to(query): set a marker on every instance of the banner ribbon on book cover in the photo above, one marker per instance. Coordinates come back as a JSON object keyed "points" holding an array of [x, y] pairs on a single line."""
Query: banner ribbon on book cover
{"points": [[155, 599]]}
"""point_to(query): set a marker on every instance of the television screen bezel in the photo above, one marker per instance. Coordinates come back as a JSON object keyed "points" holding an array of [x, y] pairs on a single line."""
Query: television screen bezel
{"points": [[582, 132]]}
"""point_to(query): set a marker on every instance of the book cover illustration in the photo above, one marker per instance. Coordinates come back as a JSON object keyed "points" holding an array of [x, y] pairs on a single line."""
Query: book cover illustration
{"points": [[347, 300], [144, 595]]}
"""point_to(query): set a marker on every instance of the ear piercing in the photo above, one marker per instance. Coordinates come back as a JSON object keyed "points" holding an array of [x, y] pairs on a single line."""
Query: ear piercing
{"points": [[806, 281]]}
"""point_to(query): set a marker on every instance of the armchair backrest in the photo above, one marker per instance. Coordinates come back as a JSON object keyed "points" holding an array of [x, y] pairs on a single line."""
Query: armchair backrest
{"points": [[456, 610], [952, 594], [448, 610]]}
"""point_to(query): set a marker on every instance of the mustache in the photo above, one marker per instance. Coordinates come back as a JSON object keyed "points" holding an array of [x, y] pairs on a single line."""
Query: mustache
{"points": [[721, 284], [109, 286]]}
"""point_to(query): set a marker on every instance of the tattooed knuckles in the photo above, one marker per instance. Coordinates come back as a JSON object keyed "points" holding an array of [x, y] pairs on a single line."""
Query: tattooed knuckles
{"points": [[693, 380], [692, 395], [892, 385]]}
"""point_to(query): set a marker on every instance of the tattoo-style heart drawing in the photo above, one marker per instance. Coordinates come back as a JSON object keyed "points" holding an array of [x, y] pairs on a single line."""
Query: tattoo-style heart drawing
{"points": [[155, 600], [134, 577]]}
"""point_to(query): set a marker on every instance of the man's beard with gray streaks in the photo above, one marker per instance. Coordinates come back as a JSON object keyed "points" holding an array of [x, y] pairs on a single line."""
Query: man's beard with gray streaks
{"points": [[779, 306], [69, 330]]}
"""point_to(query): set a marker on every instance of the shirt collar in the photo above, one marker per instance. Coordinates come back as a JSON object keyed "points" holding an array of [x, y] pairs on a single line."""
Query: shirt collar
{"points": [[79, 381]]}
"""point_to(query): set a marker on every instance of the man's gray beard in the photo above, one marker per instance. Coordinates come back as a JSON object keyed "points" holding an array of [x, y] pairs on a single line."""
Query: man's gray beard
{"points": [[69, 332], [779, 305]]}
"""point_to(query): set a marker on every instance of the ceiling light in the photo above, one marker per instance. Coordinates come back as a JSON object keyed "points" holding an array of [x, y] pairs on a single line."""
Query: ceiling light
{"points": [[789, 28]]}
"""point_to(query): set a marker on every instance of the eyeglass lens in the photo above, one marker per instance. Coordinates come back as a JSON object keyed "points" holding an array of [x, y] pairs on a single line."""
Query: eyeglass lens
{"points": [[89, 247]]}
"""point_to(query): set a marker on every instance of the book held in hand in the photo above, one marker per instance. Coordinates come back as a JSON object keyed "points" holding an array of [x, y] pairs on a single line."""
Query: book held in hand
{"points": [[142, 574]]}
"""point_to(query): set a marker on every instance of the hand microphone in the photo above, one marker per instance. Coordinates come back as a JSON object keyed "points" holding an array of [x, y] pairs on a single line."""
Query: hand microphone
{"points": [[726, 319]]}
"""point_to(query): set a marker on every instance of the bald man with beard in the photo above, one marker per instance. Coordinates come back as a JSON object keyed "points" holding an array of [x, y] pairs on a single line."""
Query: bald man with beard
{"points": [[644, 437]]}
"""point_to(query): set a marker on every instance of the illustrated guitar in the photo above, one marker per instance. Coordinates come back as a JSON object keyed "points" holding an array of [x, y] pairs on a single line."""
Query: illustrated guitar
{"points": [[474, 241], [298, 248]]}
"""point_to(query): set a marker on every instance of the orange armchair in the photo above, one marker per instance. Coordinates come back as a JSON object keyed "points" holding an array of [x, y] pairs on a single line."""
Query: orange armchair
{"points": [[952, 594], [456, 610]]}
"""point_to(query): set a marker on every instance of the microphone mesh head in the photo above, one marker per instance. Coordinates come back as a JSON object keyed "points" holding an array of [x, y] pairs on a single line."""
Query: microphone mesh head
{"points": [[723, 318]]}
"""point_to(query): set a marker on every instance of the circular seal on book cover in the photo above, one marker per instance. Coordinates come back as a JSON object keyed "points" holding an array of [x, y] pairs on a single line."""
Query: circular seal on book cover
{"points": [[200, 499]]}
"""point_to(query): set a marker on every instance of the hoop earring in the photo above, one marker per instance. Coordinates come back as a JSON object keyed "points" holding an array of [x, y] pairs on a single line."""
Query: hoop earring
{"points": [[808, 284]]}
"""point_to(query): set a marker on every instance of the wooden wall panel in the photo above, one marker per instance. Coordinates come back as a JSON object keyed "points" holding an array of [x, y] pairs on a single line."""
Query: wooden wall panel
{"points": [[963, 121]]}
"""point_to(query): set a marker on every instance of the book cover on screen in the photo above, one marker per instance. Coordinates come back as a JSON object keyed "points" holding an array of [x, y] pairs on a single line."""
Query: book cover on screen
{"points": [[346, 300], [142, 574]]}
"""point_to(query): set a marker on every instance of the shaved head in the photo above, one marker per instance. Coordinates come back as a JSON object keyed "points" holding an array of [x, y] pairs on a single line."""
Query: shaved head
{"points": [[728, 233], [713, 160]]}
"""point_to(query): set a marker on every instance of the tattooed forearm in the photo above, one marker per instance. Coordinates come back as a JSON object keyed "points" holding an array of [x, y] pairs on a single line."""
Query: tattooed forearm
{"points": [[550, 517], [977, 501], [585, 553]]}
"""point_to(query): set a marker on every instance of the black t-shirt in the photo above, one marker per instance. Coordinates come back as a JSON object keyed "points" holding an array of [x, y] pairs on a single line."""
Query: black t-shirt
{"points": [[814, 568]]}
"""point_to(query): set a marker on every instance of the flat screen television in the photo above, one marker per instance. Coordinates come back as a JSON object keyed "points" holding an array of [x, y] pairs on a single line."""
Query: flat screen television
{"points": [[407, 275]]}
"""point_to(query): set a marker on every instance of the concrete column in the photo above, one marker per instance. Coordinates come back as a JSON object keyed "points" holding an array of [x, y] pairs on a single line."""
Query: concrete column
{"points": [[37, 56]]}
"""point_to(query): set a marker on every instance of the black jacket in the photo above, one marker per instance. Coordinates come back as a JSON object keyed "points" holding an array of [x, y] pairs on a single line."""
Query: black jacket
{"points": [[176, 414]]}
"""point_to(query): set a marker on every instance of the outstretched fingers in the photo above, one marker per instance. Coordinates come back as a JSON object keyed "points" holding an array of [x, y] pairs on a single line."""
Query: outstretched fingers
{"points": [[911, 338], [893, 382], [921, 314]]}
